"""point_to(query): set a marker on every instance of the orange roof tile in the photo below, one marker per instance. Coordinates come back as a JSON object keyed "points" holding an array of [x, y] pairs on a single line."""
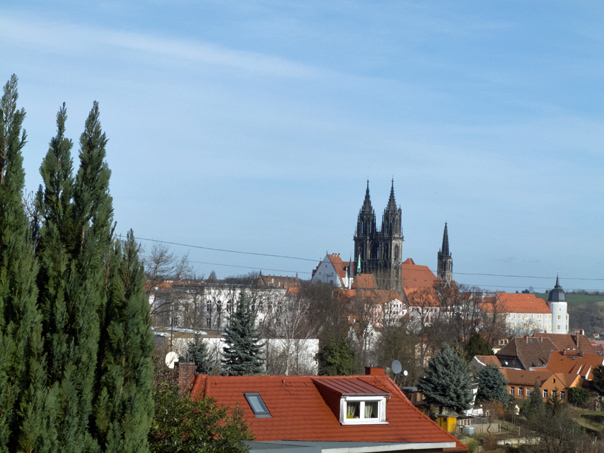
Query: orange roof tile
{"points": [[416, 276], [299, 411], [422, 297], [488, 360], [573, 363], [522, 303], [364, 281]]}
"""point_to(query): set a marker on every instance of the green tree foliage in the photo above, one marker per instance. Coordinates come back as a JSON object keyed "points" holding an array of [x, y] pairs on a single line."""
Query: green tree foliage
{"points": [[598, 380], [477, 346], [198, 352], [184, 425], [75, 338], [242, 354], [447, 382], [578, 396], [491, 385], [26, 405], [337, 359], [534, 407], [123, 411]]}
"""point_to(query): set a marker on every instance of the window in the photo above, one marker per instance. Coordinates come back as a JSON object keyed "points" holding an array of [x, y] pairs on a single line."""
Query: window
{"points": [[362, 410], [519, 391], [512, 390], [545, 394], [562, 395], [257, 405], [528, 392], [559, 316]]}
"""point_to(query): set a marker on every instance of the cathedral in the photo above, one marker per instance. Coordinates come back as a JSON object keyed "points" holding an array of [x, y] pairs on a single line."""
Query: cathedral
{"points": [[379, 251]]}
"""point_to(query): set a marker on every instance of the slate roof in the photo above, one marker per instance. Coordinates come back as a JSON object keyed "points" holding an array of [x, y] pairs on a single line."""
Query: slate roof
{"points": [[529, 351], [299, 411]]}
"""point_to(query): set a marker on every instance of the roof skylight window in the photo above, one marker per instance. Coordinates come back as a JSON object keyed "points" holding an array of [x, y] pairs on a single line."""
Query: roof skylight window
{"points": [[257, 405]]}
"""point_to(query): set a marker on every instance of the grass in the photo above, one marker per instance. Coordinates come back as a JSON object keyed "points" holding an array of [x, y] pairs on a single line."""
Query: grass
{"points": [[577, 300]]}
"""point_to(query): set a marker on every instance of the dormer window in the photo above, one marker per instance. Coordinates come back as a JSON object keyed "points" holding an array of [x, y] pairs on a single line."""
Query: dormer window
{"points": [[363, 410]]}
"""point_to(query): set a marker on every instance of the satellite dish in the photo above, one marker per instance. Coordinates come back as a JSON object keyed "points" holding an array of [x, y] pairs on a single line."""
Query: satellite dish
{"points": [[171, 357], [405, 373], [396, 367]]}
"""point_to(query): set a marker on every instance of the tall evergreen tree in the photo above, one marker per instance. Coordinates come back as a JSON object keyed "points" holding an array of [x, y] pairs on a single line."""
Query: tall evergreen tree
{"points": [[446, 382], [534, 407], [124, 407], [242, 354], [337, 359], [25, 402], [198, 352]]}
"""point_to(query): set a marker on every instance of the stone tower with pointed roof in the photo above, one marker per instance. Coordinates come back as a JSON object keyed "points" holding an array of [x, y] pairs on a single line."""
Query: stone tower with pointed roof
{"points": [[379, 252], [558, 306], [444, 264]]}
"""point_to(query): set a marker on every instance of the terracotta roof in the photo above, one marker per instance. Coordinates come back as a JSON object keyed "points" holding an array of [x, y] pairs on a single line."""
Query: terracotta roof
{"points": [[416, 276], [525, 377], [574, 363], [528, 351], [422, 297], [567, 341], [278, 281], [338, 265], [522, 303], [299, 411], [364, 281]]}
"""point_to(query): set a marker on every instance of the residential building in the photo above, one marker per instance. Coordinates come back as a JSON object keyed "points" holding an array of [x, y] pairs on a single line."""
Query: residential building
{"points": [[344, 413]]}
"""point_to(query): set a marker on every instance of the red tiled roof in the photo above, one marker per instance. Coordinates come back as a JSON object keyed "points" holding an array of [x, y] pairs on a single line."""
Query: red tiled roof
{"points": [[574, 363], [299, 412], [338, 265], [364, 281], [416, 276], [422, 297], [525, 377], [488, 360], [522, 303]]}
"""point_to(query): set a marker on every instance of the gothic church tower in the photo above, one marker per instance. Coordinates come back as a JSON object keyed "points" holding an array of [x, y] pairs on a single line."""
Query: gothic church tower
{"points": [[444, 264], [379, 252]]}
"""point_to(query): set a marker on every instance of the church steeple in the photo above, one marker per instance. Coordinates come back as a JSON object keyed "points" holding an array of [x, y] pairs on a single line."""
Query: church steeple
{"points": [[444, 265], [391, 201], [445, 248], [367, 209]]}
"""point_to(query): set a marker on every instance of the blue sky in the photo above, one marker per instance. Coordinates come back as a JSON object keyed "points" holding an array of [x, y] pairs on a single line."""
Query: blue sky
{"points": [[253, 126]]}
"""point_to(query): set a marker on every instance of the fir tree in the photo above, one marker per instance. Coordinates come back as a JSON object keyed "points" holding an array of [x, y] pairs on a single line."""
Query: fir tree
{"points": [[491, 385], [198, 352], [242, 354], [477, 346], [26, 405], [446, 382]]}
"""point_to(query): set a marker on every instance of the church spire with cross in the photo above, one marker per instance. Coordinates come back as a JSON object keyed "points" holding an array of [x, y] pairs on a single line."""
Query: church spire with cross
{"points": [[445, 261]]}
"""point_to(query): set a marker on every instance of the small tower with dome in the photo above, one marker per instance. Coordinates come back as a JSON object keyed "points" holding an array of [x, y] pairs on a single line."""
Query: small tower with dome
{"points": [[557, 305]]}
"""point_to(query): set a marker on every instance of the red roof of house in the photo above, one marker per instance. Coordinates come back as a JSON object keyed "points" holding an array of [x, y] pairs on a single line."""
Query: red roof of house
{"points": [[522, 303], [338, 265], [574, 363], [300, 412], [422, 297], [416, 276], [488, 360]]}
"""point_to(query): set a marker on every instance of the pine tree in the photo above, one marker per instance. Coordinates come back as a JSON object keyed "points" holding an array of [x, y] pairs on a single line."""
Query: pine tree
{"points": [[491, 385], [337, 359], [242, 354], [446, 382], [198, 352], [26, 405]]}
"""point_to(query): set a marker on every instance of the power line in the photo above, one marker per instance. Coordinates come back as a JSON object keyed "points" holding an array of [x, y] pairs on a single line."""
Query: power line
{"points": [[226, 250], [240, 252]]}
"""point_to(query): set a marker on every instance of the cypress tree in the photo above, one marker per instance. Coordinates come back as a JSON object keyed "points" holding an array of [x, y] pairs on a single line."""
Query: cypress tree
{"points": [[242, 354], [124, 409], [25, 403]]}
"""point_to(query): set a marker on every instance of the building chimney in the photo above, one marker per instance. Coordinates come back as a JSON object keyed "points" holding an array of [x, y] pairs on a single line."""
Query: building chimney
{"points": [[374, 371], [185, 372]]}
